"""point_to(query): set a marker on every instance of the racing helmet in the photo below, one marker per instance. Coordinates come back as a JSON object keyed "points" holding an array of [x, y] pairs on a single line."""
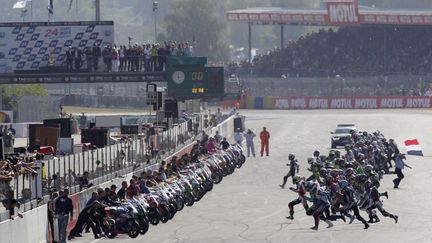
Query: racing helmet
{"points": [[291, 156], [343, 184], [311, 186], [296, 179]]}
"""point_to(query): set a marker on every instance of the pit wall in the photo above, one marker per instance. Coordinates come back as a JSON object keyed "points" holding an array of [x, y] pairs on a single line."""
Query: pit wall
{"points": [[310, 103], [31, 228]]}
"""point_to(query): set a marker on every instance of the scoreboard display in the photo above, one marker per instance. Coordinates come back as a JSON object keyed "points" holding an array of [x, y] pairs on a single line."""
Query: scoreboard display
{"points": [[188, 78]]}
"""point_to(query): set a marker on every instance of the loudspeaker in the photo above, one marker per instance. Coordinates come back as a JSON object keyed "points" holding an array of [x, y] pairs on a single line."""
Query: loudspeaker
{"points": [[97, 137], [171, 108], [64, 123], [38, 135]]}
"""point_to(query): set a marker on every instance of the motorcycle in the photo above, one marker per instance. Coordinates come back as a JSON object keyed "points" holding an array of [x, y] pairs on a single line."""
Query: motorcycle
{"points": [[119, 220]]}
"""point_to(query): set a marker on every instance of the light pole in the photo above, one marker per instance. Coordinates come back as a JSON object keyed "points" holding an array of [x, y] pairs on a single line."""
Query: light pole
{"points": [[155, 9]]}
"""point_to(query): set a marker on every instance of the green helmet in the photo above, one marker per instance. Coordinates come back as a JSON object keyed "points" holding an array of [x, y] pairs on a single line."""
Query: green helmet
{"points": [[296, 179]]}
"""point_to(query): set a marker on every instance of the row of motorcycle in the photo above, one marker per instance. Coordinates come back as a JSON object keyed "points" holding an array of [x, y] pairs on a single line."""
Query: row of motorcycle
{"points": [[134, 216]]}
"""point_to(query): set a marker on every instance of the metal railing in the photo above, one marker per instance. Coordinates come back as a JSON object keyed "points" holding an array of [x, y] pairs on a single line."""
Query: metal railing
{"points": [[103, 163]]}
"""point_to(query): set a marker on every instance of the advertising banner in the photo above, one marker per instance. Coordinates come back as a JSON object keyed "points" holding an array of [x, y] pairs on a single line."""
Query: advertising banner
{"points": [[28, 46], [76, 211], [343, 12], [302, 103]]}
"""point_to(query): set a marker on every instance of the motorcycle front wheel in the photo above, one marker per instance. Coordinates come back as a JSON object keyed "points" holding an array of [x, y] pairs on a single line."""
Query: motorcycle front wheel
{"points": [[133, 230]]}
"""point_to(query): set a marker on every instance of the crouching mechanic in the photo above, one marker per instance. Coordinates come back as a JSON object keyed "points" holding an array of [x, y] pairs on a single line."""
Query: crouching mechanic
{"points": [[301, 191], [294, 166]]}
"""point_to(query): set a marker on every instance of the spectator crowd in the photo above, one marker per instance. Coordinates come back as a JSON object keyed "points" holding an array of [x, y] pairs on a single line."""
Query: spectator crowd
{"points": [[136, 57], [350, 51]]}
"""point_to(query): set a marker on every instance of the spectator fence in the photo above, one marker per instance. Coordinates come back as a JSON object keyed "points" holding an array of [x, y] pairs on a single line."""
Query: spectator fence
{"points": [[102, 164]]}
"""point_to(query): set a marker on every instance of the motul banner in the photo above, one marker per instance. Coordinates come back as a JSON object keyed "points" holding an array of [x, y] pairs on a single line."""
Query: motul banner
{"points": [[352, 103], [344, 12]]}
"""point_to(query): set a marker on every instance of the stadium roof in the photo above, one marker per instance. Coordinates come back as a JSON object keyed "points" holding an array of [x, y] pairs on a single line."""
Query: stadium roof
{"points": [[366, 15]]}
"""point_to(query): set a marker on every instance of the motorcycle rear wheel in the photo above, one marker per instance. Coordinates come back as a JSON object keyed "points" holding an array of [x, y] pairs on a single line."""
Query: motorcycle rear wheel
{"points": [[144, 225]]}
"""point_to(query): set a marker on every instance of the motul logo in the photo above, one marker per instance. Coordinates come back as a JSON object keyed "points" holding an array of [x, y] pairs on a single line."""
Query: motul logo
{"points": [[343, 13]]}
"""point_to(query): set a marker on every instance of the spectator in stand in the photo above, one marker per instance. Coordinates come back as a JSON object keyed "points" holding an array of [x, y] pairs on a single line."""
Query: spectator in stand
{"points": [[97, 54], [115, 59], [78, 58], [351, 51], [154, 57], [147, 58], [188, 50], [69, 59], [107, 58], [89, 59], [122, 58]]}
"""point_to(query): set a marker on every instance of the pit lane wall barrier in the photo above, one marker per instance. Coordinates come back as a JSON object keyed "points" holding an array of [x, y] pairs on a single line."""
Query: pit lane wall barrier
{"points": [[31, 228], [311, 103]]}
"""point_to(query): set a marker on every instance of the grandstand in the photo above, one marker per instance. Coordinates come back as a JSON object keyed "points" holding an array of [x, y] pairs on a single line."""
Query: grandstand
{"points": [[354, 41]]}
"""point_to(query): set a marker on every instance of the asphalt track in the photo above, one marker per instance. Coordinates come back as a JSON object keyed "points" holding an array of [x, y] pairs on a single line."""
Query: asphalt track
{"points": [[249, 206]]}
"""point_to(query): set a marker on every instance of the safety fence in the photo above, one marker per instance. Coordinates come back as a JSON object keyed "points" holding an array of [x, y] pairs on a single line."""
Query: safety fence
{"points": [[304, 103], [100, 164]]}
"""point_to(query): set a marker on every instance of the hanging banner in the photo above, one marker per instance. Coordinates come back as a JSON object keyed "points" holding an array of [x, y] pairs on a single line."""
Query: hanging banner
{"points": [[343, 12]]}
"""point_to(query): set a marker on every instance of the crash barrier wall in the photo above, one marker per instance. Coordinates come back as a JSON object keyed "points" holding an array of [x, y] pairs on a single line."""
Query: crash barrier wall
{"points": [[37, 108], [31, 228], [304, 103], [107, 163]]}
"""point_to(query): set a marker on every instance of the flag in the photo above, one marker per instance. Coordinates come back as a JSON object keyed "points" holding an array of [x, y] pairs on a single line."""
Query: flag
{"points": [[20, 4], [50, 10], [413, 147], [70, 5]]}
